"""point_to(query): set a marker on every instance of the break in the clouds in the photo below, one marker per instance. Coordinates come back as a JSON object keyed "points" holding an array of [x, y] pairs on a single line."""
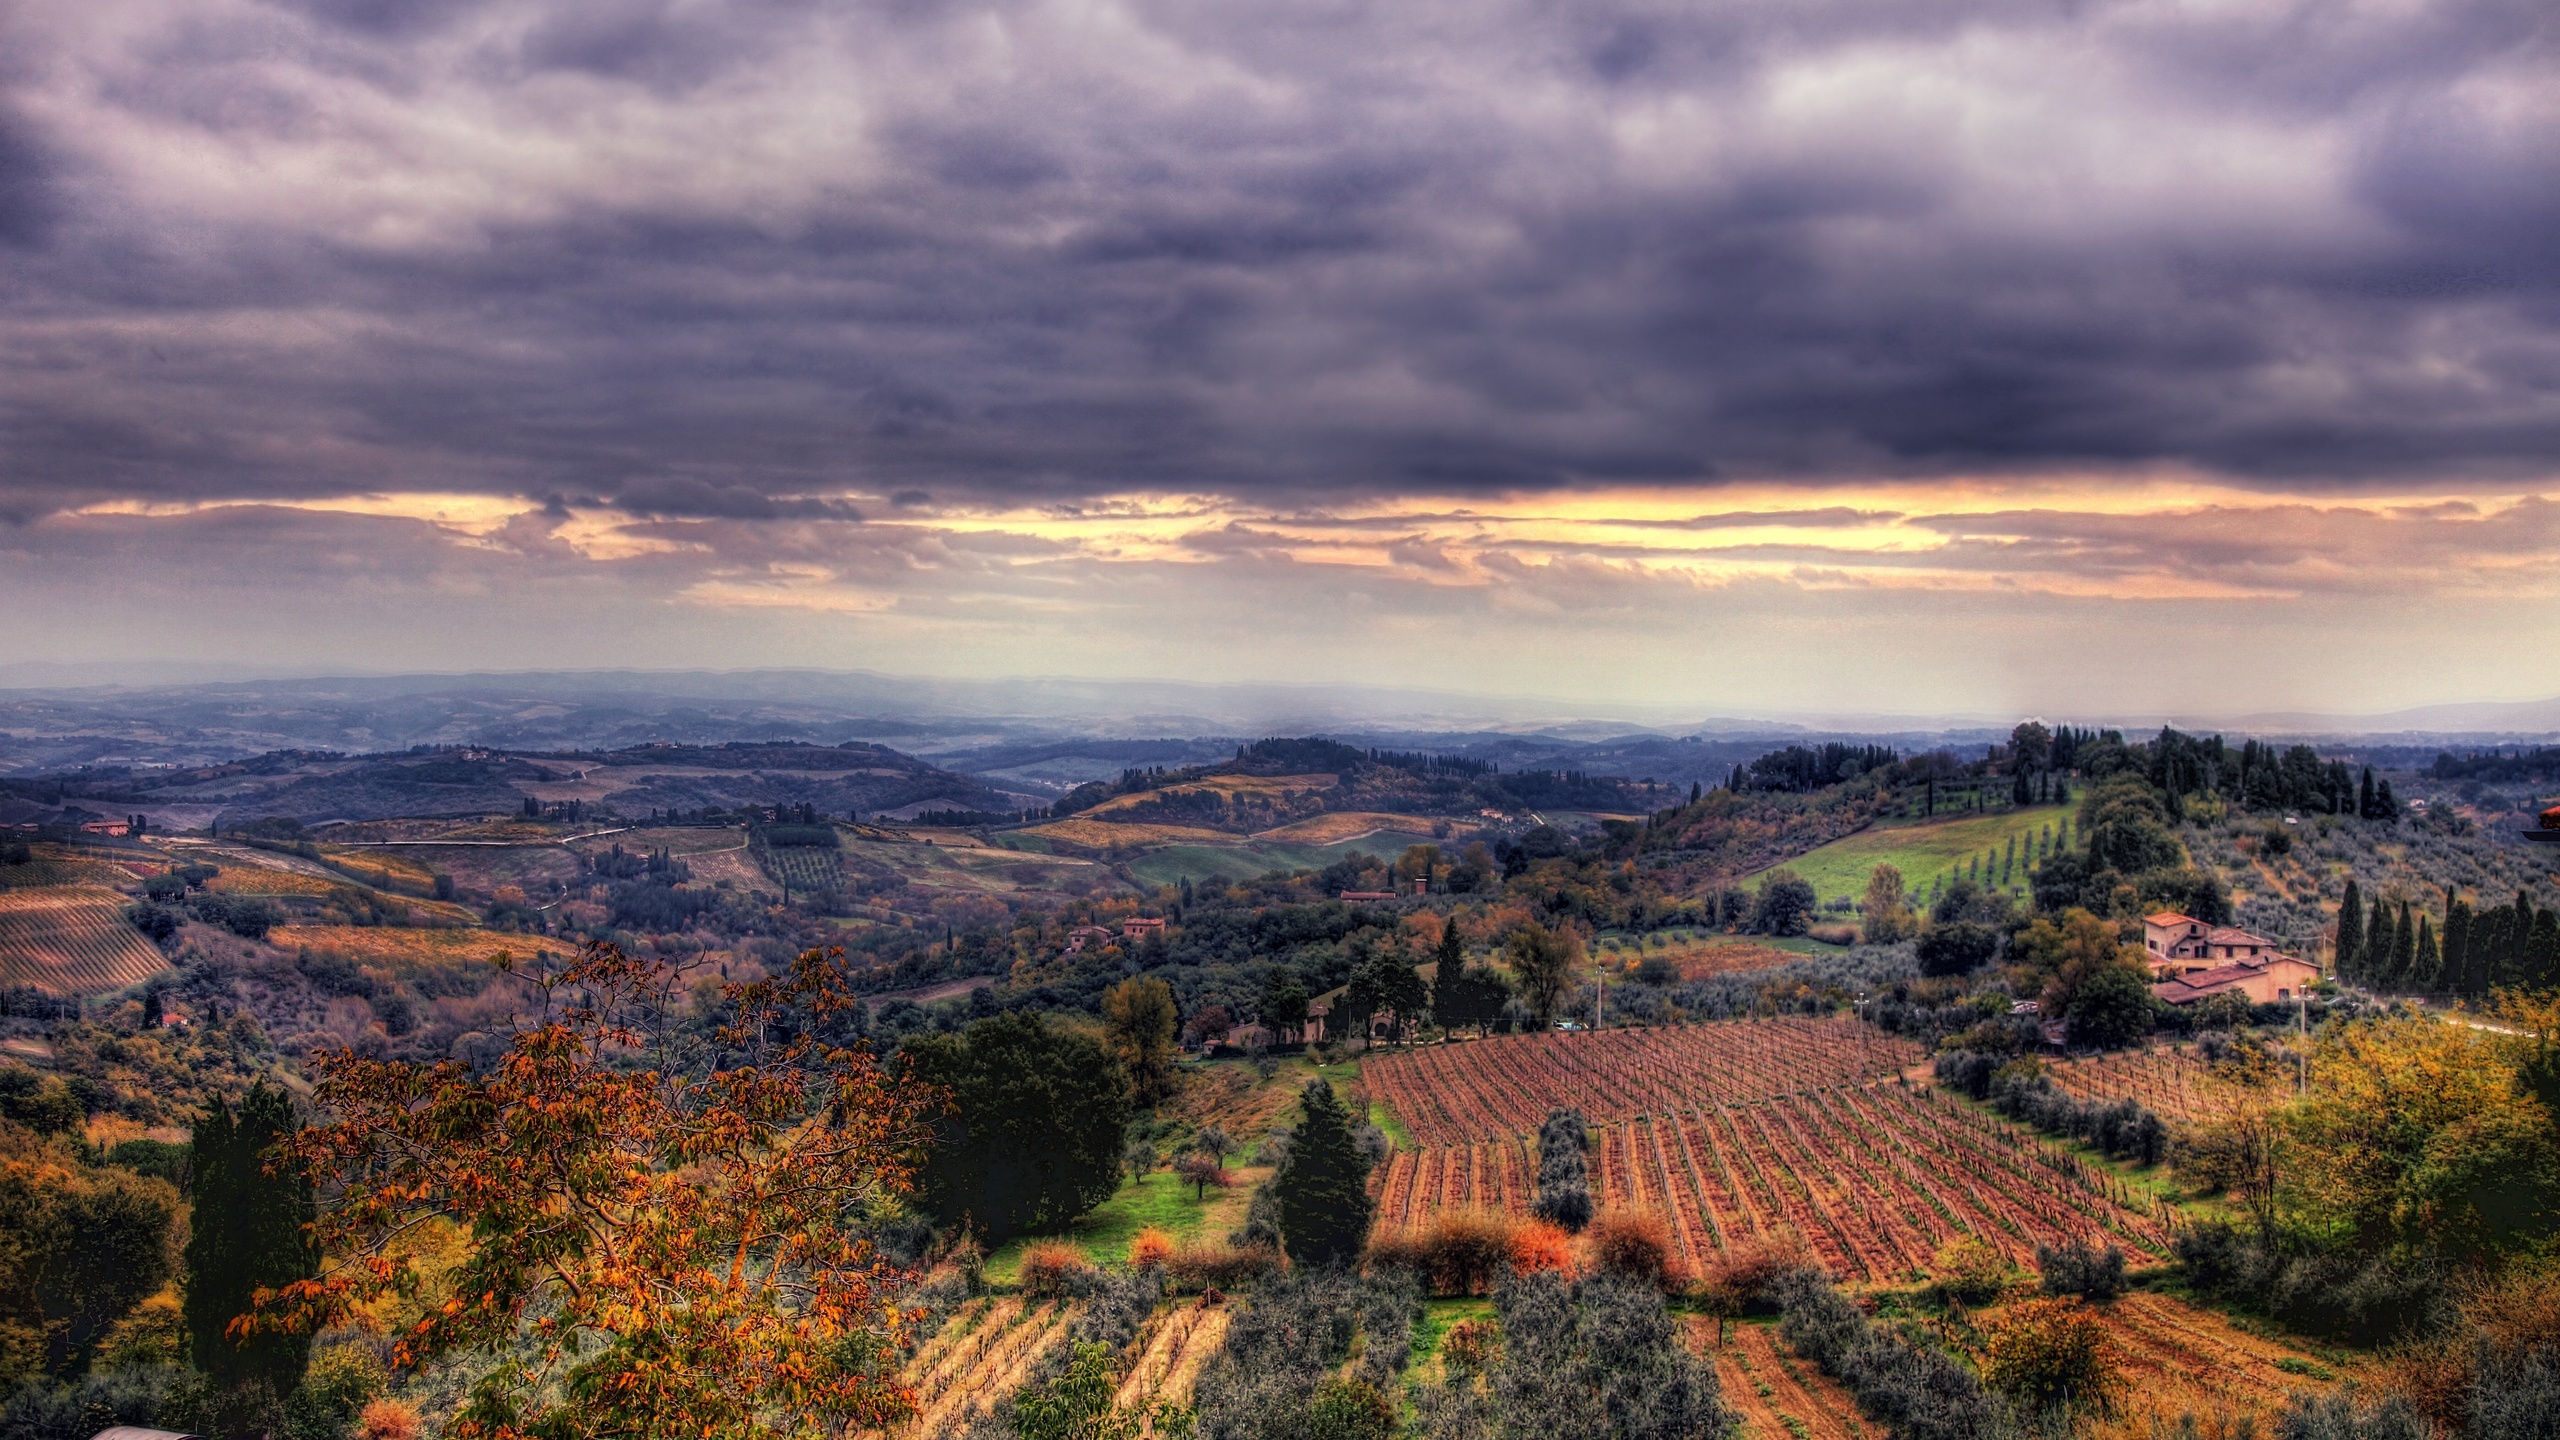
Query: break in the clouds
{"points": [[1099, 333]]}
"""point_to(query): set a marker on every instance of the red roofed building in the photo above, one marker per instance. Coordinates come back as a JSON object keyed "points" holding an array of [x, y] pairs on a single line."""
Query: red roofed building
{"points": [[2264, 982], [1139, 927], [2178, 944]]}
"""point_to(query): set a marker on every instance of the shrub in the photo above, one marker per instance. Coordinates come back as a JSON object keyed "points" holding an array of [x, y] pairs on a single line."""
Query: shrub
{"points": [[1920, 1393], [1749, 1269], [2045, 1353], [1635, 1244], [1150, 1250], [1539, 1247], [388, 1420], [2081, 1270], [1469, 1250], [1195, 1268], [1350, 1409], [1049, 1265], [1469, 1346], [1969, 1272]]}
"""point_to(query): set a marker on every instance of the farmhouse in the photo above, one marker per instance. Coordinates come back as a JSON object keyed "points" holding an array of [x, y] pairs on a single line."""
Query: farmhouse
{"points": [[2178, 944], [1083, 935], [2264, 981], [1139, 927]]}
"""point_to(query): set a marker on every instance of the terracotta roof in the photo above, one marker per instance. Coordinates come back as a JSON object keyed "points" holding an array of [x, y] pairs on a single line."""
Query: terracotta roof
{"points": [[2233, 935], [2169, 917]]}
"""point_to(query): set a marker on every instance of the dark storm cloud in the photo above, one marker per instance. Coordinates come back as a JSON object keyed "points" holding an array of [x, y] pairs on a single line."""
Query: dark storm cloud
{"points": [[716, 261]]}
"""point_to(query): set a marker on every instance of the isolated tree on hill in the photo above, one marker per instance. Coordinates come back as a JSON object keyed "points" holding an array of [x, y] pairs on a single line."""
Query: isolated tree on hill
{"points": [[1785, 905], [247, 1233], [1139, 1017], [1564, 1170], [1542, 966], [1323, 1184], [1884, 915]]}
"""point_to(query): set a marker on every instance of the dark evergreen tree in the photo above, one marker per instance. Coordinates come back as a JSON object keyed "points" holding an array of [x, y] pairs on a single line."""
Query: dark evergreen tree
{"points": [[1564, 1170], [2542, 951], [2365, 808], [2404, 946], [2350, 959], [2457, 946], [2426, 965], [247, 1231], [1323, 1185]]}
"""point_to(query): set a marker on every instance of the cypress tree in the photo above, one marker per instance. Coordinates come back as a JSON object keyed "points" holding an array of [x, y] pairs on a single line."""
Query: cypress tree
{"points": [[2364, 796], [2426, 965], [2350, 959], [2457, 947], [2404, 946], [2542, 951], [1323, 1185], [2488, 948], [247, 1232]]}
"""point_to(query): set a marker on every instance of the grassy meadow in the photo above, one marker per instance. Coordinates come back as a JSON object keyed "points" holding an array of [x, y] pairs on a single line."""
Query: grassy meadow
{"points": [[1925, 850]]}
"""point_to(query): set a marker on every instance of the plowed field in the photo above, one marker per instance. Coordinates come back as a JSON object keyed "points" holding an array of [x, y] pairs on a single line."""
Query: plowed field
{"points": [[1479, 1090], [72, 941], [1768, 1386]]}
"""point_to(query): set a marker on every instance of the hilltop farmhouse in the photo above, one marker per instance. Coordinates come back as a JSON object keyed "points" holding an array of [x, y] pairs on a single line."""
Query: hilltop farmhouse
{"points": [[2192, 961]]}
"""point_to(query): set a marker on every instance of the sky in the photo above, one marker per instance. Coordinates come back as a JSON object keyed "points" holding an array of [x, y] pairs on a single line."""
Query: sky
{"points": [[1911, 356]]}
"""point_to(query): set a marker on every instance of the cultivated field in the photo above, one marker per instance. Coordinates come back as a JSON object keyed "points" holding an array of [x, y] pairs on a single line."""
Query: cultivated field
{"points": [[2173, 1081], [1778, 1396], [2179, 1360], [984, 1352], [1871, 1179], [1922, 851], [383, 870], [804, 868], [1698, 959], [1103, 835], [393, 946], [1485, 1089], [53, 865], [245, 880], [1229, 786], [1348, 825], [72, 941]]}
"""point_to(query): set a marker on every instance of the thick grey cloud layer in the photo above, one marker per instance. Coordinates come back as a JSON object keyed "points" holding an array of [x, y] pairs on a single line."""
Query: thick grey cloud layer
{"points": [[717, 260]]}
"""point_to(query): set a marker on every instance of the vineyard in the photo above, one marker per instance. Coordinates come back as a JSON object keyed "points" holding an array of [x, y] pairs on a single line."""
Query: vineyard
{"points": [[52, 865], [1871, 1179], [2177, 1359], [1483, 1090], [243, 880], [804, 869], [2174, 1082], [72, 941], [991, 1345], [1778, 1396]]}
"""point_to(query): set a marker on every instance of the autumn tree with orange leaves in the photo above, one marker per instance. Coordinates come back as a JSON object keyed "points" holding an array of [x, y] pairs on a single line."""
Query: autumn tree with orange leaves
{"points": [[664, 1227]]}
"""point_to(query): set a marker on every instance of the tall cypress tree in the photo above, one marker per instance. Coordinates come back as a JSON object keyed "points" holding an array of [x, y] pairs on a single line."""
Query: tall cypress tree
{"points": [[248, 1231], [2426, 965], [1323, 1185], [2351, 933], [2404, 945], [2542, 950], [2364, 796], [2457, 946]]}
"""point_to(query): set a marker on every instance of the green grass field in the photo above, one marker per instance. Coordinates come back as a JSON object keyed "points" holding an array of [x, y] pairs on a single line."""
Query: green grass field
{"points": [[1922, 850], [1160, 1199]]}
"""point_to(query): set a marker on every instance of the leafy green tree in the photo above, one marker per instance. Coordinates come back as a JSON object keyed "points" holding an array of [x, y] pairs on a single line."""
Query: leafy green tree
{"points": [[251, 1210], [1140, 1019], [1323, 1184], [1785, 905], [1034, 1135], [1542, 965], [1884, 915], [1284, 1001], [1401, 987], [2113, 1007], [79, 1248]]}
